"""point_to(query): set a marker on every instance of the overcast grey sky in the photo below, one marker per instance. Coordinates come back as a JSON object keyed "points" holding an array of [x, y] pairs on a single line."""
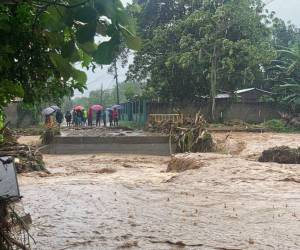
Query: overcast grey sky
{"points": [[289, 10]]}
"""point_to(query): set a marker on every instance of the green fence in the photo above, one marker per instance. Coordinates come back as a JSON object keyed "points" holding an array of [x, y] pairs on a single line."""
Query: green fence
{"points": [[135, 111]]}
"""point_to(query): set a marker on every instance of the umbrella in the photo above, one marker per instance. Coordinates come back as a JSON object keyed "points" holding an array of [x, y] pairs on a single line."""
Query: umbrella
{"points": [[55, 107], [78, 108], [96, 107], [48, 111], [117, 106]]}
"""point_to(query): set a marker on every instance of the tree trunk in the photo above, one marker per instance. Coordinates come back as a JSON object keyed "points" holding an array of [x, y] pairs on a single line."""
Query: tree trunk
{"points": [[117, 81], [213, 82]]}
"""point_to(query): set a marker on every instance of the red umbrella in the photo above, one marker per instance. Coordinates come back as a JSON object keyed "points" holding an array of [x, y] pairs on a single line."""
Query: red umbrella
{"points": [[97, 107], [78, 108]]}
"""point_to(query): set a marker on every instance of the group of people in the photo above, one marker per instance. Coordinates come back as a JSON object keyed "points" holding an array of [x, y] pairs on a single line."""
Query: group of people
{"points": [[82, 117]]}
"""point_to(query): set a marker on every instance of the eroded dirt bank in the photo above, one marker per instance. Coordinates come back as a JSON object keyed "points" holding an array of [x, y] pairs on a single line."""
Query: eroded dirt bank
{"points": [[114, 202]]}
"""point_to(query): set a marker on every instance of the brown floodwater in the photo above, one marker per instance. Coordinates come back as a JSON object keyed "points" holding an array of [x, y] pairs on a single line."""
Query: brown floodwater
{"points": [[130, 202]]}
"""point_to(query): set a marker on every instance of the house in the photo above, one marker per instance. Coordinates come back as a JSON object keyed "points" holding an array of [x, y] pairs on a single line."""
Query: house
{"points": [[250, 95]]}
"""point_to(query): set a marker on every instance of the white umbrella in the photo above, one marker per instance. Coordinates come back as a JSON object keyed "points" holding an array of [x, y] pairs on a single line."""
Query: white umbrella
{"points": [[55, 107], [48, 111], [117, 106]]}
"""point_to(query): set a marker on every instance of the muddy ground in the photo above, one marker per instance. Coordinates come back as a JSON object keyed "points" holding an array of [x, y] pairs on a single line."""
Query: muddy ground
{"points": [[130, 202]]}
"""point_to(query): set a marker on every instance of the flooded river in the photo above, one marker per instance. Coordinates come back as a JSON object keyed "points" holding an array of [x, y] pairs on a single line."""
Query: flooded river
{"points": [[130, 202]]}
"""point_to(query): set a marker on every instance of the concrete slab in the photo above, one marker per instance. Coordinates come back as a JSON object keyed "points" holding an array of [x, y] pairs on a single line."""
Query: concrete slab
{"points": [[156, 145]]}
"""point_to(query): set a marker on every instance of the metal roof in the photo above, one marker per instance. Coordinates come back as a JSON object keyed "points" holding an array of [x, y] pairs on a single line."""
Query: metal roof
{"points": [[251, 89], [223, 96]]}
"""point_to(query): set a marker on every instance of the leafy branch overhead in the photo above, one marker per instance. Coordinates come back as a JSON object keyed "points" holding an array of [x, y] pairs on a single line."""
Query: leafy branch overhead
{"points": [[42, 41]]}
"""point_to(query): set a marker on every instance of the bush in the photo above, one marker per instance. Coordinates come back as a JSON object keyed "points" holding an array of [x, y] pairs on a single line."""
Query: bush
{"points": [[276, 125]]}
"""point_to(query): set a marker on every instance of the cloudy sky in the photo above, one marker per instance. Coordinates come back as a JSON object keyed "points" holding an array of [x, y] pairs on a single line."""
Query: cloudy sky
{"points": [[286, 9]]}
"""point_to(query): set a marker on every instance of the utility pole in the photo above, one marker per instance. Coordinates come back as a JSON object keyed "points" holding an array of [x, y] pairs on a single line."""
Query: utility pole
{"points": [[117, 81], [101, 94]]}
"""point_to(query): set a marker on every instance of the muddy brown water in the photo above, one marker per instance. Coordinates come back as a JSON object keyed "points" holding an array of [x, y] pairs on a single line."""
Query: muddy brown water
{"points": [[130, 202]]}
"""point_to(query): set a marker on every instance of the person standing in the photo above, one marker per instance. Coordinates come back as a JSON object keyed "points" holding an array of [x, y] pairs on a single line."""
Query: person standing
{"points": [[84, 117], [104, 113], [59, 117], [98, 118], [74, 117], [49, 121], [110, 117], [68, 118], [90, 117], [79, 117], [115, 117]]}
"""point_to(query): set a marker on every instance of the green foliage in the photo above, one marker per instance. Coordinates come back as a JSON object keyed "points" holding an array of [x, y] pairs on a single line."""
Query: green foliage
{"points": [[8, 91], [280, 126], [284, 35], [275, 125], [286, 77], [194, 48], [41, 41]]}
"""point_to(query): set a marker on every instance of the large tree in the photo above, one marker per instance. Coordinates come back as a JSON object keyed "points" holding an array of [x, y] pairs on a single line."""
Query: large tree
{"points": [[220, 45], [41, 41]]}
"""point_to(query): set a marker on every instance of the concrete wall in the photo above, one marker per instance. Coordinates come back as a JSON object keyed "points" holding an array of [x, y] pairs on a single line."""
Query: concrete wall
{"points": [[225, 110], [17, 118], [11, 113], [140, 145]]}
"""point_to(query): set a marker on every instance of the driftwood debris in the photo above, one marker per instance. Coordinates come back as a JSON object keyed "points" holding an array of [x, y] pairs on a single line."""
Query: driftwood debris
{"points": [[283, 155], [30, 159], [184, 162], [13, 229], [194, 137], [292, 120], [189, 136]]}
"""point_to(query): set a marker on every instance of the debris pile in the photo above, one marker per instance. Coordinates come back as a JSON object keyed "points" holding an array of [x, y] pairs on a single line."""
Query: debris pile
{"points": [[190, 136], [163, 127], [193, 138], [292, 120], [183, 162], [236, 122], [32, 131], [283, 155], [30, 159]]}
